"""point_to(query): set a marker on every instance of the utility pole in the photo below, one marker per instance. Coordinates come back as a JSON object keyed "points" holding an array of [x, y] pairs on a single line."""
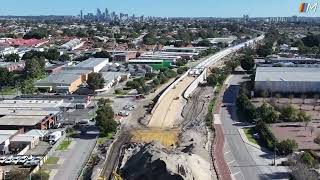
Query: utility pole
{"points": [[274, 154]]}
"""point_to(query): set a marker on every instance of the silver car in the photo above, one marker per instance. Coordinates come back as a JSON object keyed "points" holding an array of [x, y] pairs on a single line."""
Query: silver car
{"points": [[16, 159]]}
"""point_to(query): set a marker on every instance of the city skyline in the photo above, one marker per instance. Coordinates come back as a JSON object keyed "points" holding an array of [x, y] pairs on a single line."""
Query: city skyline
{"points": [[165, 8]]}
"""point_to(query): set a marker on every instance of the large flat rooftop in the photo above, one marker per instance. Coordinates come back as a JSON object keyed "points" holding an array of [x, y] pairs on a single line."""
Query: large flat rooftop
{"points": [[284, 74]]}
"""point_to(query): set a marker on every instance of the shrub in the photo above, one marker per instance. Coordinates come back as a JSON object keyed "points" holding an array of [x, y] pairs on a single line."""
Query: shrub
{"points": [[287, 147]]}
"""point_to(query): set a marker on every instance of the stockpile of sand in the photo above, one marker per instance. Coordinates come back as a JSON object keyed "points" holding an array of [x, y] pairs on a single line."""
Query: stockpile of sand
{"points": [[167, 138]]}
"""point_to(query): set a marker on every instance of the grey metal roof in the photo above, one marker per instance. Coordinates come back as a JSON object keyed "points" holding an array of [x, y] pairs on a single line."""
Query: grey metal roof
{"points": [[287, 74], [92, 62]]}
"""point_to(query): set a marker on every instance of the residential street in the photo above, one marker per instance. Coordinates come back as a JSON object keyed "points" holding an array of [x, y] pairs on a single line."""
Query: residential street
{"points": [[244, 161], [72, 160]]}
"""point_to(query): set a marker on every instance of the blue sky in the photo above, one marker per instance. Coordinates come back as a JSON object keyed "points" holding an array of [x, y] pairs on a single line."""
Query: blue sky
{"points": [[166, 8]]}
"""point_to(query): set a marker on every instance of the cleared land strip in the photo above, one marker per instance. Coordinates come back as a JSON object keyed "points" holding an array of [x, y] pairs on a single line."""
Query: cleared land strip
{"points": [[170, 107]]}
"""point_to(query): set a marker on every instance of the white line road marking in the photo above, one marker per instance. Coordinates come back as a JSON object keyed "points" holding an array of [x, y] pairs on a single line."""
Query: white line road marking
{"points": [[231, 162], [227, 152], [236, 173]]}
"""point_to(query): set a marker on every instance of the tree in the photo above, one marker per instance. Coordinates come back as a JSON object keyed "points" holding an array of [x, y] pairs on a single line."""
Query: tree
{"points": [[247, 63], [290, 98], [27, 87], [264, 50], [18, 174], [315, 101], [6, 77], [267, 113], [288, 114], [95, 81], [40, 175], [52, 54], [64, 57], [105, 118], [287, 146], [36, 33], [307, 159], [12, 57], [34, 67], [303, 117], [278, 96], [301, 171], [205, 43], [102, 54]]}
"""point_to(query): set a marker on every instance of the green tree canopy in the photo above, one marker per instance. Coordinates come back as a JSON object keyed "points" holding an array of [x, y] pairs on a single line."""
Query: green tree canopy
{"points": [[95, 81], [52, 54], [247, 63], [105, 118], [64, 57], [6, 77], [12, 57]]}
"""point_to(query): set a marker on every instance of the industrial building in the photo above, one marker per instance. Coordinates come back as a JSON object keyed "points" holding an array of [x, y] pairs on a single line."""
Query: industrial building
{"points": [[66, 81], [24, 115], [72, 45], [287, 79], [92, 64], [156, 64], [71, 77]]}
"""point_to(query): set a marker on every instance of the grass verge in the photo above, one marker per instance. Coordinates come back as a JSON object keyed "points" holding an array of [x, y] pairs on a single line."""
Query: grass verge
{"points": [[249, 134], [63, 145], [52, 160]]}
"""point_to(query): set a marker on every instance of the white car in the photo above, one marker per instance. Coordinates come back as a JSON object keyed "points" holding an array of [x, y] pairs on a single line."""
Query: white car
{"points": [[9, 160], [2, 159], [35, 161], [15, 159], [27, 163], [30, 158], [23, 159], [123, 113]]}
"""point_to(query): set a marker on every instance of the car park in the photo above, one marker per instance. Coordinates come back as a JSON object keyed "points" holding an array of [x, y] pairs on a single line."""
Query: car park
{"points": [[15, 159], [8, 160], [23, 159], [2, 159]]}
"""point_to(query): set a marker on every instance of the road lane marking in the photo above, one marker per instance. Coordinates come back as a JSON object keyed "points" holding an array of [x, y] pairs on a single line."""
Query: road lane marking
{"points": [[231, 162], [227, 152]]}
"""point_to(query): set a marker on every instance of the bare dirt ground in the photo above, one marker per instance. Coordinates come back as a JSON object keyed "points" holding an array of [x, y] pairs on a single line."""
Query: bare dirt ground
{"points": [[170, 107], [302, 133]]}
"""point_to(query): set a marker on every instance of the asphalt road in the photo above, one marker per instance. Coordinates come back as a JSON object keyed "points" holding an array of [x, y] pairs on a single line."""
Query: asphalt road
{"points": [[244, 161], [240, 161], [75, 157]]}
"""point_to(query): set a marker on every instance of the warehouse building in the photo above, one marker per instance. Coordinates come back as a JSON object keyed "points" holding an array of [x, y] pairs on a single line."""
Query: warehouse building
{"points": [[71, 77], [287, 79], [92, 64], [155, 64], [67, 81]]}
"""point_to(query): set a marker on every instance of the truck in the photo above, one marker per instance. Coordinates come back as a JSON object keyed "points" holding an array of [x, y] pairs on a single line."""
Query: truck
{"points": [[54, 137]]}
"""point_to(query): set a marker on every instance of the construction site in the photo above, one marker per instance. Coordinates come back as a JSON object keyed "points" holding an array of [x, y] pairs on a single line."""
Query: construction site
{"points": [[172, 139]]}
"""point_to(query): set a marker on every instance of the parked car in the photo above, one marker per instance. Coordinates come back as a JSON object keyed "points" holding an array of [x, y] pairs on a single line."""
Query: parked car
{"points": [[9, 160], [30, 158], [123, 113], [15, 159], [54, 137], [35, 161], [2, 159], [23, 159], [27, 163], [128, 107]]}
